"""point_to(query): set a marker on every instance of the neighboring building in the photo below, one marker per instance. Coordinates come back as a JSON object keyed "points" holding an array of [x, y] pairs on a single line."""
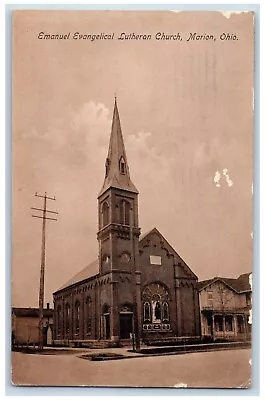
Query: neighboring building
{"points": [[137, 284], [225, 305], [25, 325]]}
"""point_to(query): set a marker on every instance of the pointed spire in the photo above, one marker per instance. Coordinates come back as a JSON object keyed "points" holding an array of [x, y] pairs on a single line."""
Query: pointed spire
{"points": [[117, 170]]}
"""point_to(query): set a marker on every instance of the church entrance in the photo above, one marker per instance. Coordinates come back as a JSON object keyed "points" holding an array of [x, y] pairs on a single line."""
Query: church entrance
{"points": [[126, 325]]}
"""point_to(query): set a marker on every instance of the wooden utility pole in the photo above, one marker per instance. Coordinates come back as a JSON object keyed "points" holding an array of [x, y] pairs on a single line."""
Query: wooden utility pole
{"points": [[43, 250]]}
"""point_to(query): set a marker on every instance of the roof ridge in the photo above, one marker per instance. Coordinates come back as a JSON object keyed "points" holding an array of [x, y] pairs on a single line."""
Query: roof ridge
{"points": [[82, 275]]}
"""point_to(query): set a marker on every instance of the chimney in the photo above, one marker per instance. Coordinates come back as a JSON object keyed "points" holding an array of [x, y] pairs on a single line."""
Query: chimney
{"points": [[48, 306]]}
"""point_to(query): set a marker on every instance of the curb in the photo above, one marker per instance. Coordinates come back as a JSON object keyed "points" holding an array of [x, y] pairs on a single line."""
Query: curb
{"points": [[98, 356]]}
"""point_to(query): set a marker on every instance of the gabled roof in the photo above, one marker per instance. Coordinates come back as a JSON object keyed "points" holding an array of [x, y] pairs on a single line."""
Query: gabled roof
{"points": [[242, 283], [89, 271], [239, 285], [203, 284], [171, 250], [144, 235], [114, 176], [92, 270]]}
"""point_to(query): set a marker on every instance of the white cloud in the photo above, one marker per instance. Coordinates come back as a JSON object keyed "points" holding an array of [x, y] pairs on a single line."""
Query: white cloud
{"points": [[146, 158], [90, 122]]}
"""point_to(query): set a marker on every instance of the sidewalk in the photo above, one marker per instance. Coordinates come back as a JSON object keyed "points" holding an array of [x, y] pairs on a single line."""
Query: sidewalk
{"points": [[147, 351]]}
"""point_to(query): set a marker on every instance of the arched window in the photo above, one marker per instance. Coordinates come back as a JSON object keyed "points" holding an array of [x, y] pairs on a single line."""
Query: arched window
{"points": [[155, 303], [88, 316], [165, 312], [147, 312], [156, 311], [77, 316], [125, 212], [59, 318], [122, 166], [67, 317], [105, 214]]}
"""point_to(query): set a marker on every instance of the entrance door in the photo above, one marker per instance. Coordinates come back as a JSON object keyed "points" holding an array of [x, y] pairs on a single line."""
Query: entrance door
{"points": [[126, 325], [107, 326]]}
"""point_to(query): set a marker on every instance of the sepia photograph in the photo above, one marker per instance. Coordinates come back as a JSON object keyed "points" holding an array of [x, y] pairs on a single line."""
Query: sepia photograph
{"points": [[132, 198]]}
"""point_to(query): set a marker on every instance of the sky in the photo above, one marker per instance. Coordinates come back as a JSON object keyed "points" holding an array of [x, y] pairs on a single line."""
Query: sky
{"points": [[186, 112]]}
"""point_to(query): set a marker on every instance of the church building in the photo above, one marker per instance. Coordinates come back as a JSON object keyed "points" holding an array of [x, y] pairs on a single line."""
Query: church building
{"points": [[139, 287]]}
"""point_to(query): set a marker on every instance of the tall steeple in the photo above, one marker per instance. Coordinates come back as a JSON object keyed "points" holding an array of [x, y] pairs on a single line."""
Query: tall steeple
{"points": [[117, 170]]}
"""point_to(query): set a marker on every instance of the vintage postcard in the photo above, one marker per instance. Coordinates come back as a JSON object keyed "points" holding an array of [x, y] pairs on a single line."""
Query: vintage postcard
{"points": [[132, 186]]}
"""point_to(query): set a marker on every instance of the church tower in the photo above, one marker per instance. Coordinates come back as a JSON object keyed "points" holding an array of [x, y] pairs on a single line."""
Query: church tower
{"points": [[118, 237], [118, 231]]}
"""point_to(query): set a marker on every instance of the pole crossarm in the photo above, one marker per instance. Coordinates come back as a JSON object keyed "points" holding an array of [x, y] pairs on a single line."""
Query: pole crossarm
{"points": [[37, 216], [41, 209], [45, 196]]}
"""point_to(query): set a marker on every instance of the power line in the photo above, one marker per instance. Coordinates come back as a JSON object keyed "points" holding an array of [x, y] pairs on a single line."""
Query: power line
{"points": [[44, 217]]}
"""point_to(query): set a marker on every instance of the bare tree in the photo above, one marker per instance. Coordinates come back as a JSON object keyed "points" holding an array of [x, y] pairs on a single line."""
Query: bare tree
{"points": [[224, 296]]}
